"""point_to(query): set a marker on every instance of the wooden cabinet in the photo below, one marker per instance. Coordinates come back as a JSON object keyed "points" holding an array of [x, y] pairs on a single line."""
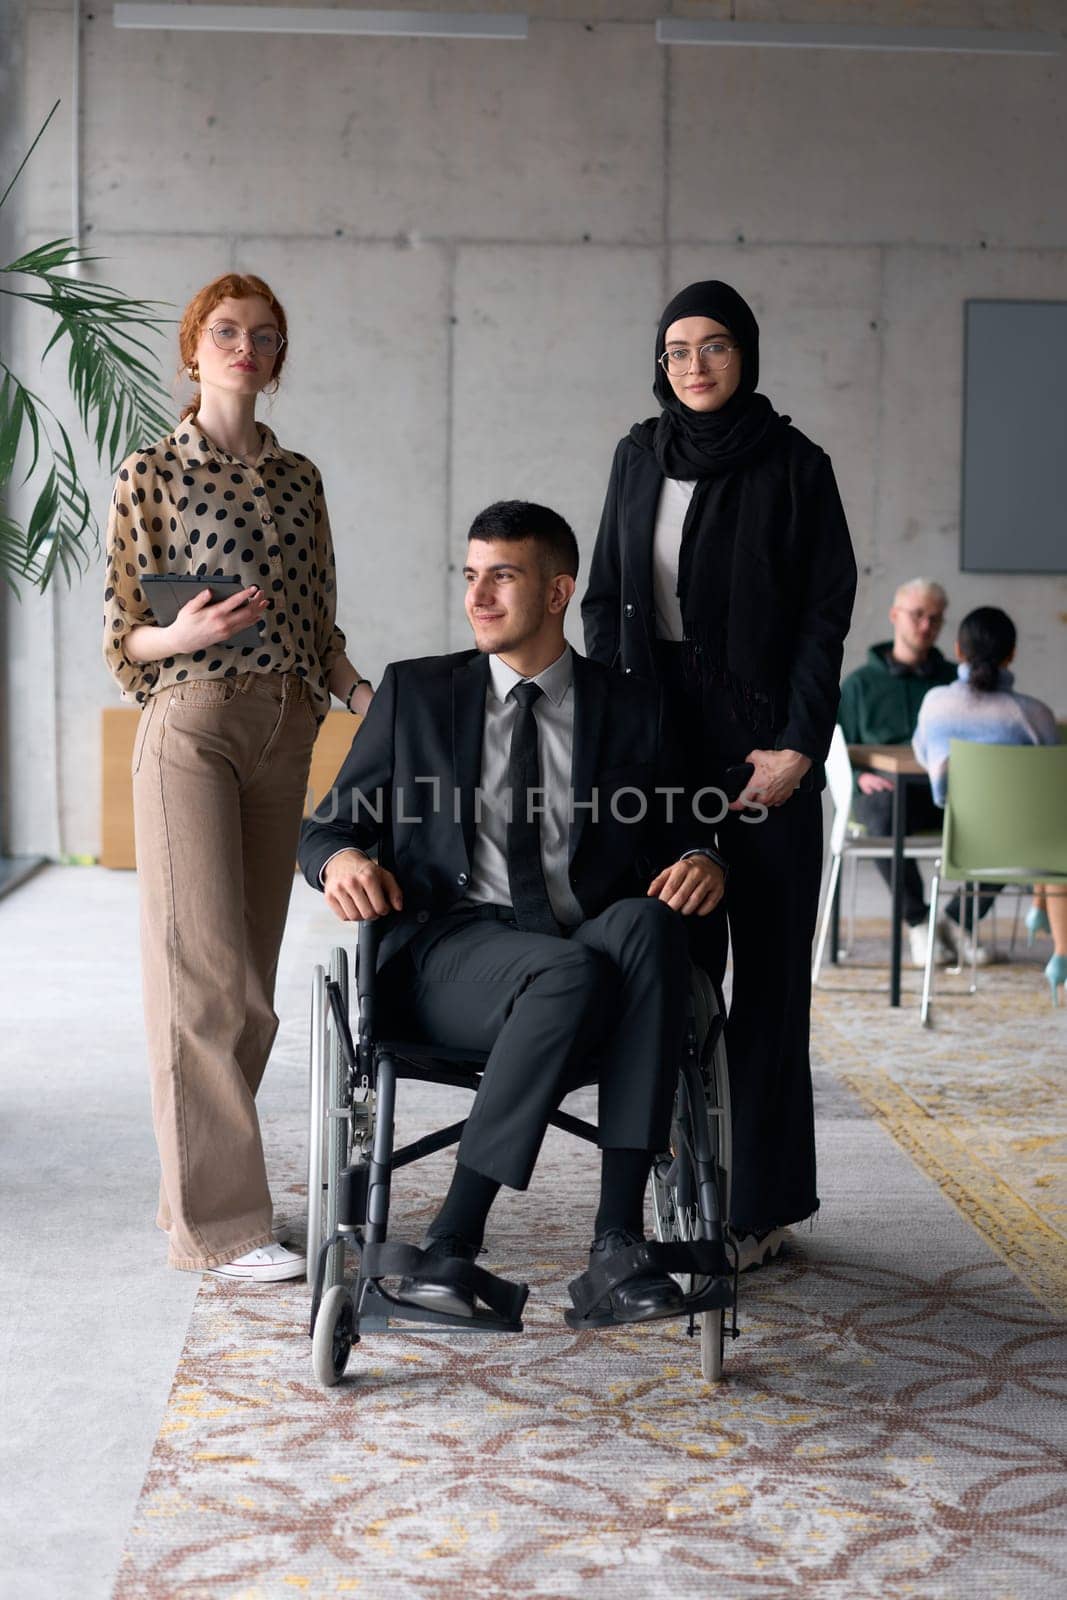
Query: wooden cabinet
{"points": [[118, 725]]}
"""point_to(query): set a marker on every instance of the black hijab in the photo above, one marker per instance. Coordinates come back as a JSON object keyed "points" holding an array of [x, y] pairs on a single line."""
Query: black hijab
{"points": [[731, 514], [702, 444]]}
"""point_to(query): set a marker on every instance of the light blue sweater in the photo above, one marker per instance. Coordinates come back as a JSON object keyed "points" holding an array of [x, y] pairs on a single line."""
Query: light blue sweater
{"points": [[956, 711]]}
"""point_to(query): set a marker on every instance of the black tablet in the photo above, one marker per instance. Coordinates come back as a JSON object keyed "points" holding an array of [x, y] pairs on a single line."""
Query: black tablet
{"points": [[167, 592]]}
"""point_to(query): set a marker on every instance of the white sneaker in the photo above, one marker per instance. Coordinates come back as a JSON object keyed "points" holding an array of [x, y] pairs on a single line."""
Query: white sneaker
{"points": [[757, 1249], [271, 1263], [918, 942], [919, 938]]}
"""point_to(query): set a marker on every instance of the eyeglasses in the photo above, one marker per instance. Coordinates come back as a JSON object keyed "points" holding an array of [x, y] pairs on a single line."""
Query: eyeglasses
{"points": [[228, 336], [677, 359]]}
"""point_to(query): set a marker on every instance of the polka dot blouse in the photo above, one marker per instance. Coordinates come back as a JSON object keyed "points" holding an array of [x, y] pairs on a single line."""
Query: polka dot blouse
{"points": [[185, 506]]}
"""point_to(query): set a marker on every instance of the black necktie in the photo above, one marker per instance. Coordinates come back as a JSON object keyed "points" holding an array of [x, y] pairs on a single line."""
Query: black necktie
{"points": [[526, 877]]}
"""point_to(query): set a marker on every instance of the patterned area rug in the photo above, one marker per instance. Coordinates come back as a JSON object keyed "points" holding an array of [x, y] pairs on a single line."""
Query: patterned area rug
{"points": [[891, 1425], [977, 1099]]}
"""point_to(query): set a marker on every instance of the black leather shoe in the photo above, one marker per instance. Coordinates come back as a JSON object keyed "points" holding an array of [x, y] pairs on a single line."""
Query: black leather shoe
{"points": [[646, 1295], [441, 1294]]}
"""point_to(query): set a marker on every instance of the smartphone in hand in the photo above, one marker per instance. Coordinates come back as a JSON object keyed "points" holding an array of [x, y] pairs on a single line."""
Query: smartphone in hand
{"points": [[735, 778]]}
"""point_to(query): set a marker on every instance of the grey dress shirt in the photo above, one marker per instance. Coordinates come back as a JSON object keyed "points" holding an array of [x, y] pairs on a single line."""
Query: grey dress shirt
{"points": [[554, 715]]}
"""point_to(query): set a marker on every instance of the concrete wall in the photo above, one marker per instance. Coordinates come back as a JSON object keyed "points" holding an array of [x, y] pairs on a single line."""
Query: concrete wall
{"points": [[474, 241]]}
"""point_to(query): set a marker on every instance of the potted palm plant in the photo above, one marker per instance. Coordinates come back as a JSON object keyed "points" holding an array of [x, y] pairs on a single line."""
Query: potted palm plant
{"points": [[116, 393], [118, 398]]}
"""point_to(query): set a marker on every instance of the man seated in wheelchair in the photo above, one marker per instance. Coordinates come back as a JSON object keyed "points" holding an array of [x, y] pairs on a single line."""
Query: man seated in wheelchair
{"points": [[537, 866]]}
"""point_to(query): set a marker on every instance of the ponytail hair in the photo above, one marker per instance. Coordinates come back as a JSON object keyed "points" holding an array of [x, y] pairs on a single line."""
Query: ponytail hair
{"points": [[986, 639], [231, 286]]}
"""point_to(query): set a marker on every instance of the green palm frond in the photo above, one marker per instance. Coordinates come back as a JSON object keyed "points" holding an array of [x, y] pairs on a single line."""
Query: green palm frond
{"points": [[12, 549], [118, 397]]}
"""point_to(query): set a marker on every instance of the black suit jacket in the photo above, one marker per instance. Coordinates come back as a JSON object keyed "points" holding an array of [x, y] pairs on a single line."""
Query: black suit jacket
{"points": [[407, 788]]}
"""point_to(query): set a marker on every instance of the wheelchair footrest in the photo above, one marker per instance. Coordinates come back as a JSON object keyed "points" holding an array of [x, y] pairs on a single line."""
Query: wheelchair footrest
{"points": [[379, 1310], [700, 1258], [502, 1301]]}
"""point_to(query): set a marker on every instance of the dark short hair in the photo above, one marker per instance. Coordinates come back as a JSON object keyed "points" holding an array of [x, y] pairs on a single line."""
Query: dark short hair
{"points": [[512, 520], [986, 638]]}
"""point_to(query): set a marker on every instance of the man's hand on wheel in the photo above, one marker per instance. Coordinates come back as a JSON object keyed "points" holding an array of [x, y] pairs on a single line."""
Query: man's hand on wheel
{"points": [[693, 886], [358, 889]]}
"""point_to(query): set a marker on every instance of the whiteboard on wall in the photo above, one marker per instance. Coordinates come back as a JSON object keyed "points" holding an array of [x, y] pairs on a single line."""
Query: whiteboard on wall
{"points": [[1014, 503]]}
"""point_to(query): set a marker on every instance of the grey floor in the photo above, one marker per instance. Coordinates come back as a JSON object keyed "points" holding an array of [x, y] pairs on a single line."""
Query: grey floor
{"points": [[93, 1323]]}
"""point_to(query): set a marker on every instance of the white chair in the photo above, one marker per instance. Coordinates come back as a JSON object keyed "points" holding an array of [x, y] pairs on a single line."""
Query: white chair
{"points": [[848, 841]]}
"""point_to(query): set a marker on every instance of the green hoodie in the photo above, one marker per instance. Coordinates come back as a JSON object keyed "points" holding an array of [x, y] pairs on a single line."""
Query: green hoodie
{"points": [[880, 701]]}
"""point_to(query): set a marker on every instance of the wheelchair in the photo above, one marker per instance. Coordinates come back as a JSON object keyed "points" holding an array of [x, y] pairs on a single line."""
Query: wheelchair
{"points": [[352, 1157]]}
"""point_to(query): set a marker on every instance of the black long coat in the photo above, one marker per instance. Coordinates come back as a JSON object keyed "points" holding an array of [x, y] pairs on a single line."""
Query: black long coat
{"points": [[802, 563], [792, 583]]}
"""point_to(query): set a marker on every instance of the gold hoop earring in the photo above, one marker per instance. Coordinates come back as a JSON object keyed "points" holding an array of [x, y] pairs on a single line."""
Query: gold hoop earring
{"points": [[194, 372]]}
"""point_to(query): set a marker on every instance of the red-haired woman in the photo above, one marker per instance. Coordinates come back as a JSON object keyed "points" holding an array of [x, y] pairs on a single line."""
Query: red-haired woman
{"points": [[221, 759]]}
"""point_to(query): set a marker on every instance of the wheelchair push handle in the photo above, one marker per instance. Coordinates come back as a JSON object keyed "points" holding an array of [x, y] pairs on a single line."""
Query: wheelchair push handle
{"points": [[367, 942]]}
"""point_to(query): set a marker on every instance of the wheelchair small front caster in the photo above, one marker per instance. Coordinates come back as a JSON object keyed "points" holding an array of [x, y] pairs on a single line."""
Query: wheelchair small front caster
{"points": [[712, 1333], [335, 1333]]}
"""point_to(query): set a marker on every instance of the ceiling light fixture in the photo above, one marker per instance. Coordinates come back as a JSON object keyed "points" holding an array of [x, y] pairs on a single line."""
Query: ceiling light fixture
{"points": [[829, 36], [322, 19]]}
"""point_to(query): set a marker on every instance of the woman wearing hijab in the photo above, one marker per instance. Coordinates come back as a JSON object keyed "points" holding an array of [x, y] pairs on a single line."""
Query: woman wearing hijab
{"points": [[724, 570]]}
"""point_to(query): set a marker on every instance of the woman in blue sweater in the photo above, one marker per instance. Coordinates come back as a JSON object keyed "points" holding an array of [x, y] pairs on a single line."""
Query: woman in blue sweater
{"points": [[984, 708]]}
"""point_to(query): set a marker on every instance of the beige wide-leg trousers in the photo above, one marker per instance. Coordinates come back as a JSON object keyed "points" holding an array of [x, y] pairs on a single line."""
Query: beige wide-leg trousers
{"points": [[220, 770]]}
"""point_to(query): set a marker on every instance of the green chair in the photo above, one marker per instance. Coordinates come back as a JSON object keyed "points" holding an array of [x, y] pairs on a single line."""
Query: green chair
{"points": [[1005, 823]]}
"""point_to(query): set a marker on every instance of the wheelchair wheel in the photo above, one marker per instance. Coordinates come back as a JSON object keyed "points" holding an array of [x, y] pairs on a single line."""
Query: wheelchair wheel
{"points": [[337, 1117], [716, 1073], [700, 1129], [328, 1120], [676, 1222], [331, 1344], [317, 1096]]}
